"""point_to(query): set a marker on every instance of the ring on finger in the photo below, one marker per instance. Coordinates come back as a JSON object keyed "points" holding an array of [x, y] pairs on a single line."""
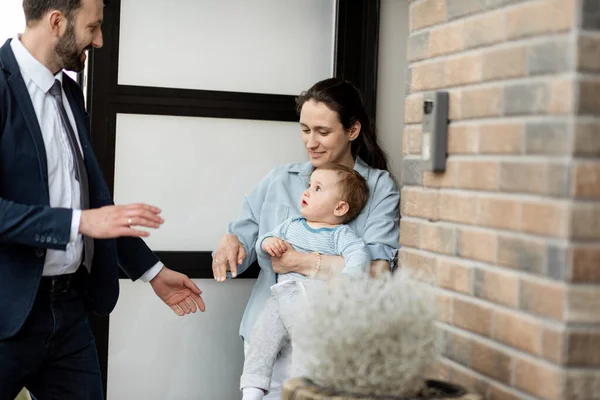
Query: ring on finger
{"points": [[129, 222]]}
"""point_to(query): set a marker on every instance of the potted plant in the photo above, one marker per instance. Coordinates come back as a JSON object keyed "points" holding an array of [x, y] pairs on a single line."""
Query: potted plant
{"points": [[369, 338]]}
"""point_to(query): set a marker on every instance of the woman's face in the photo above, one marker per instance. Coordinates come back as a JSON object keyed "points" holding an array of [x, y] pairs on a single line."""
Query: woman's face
{"points": [[324, 136]]}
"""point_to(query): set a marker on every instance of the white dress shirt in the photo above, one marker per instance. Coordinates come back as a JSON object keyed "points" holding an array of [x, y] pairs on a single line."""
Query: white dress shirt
{"points": [[63, 186]]}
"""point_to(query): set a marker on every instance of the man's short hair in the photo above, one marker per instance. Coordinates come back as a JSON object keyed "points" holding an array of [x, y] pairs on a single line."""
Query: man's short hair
{"points": [[35, 9], [353, 189]]}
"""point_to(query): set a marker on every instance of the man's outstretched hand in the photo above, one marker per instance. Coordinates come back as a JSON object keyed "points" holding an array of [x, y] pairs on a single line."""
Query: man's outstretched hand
{"points": [[178, 292]]}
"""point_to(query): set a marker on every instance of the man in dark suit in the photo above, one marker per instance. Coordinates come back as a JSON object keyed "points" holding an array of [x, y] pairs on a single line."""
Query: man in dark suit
{"points": [[62, 239]]}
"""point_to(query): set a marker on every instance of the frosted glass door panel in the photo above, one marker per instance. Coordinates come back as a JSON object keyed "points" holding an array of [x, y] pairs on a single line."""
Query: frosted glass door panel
{"points": [[155, 355], [257, 46], [197, 170]]}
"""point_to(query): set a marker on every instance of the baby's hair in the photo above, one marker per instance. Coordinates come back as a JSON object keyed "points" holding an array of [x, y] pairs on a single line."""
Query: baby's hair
{"points": [[353, 189]]}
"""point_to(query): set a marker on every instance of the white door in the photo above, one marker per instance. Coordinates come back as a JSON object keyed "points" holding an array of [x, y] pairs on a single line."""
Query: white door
{"points": [[192, 103]]}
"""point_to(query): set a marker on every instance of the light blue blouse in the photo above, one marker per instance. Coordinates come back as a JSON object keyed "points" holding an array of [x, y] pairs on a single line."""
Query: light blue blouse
{"points": [[277, 198]]}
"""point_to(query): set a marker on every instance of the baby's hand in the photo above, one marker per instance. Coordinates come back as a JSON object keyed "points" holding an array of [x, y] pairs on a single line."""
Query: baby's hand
{"points": [[274, 246]]}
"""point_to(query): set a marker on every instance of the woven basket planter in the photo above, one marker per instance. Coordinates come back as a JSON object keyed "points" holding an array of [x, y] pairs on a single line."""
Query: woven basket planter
{"points": [[302, 389]]}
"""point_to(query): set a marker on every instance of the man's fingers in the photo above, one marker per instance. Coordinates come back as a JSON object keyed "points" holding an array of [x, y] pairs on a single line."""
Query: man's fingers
{"points": [[191, 285], [177, 310], [198, 300], [185, 307], [142, 206], [126, 231]]}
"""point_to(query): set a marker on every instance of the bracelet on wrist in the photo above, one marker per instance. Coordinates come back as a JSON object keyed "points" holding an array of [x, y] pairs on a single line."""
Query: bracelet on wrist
{"points": [[317, 266]]}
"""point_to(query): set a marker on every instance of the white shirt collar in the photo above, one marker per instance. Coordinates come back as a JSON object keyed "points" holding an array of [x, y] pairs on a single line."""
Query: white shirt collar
{"points": [[32, 68]]}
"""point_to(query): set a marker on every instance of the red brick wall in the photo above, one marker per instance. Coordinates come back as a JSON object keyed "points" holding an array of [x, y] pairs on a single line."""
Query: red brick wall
{"points": [[511, 230]]}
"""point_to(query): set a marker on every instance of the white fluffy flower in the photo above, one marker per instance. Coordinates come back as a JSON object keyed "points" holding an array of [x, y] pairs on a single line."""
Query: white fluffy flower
{"points": [[369, 336]]}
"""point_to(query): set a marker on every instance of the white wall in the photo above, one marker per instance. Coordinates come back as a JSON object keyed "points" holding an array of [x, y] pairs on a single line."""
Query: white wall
{"points": [[393, 34], [12, 20]]}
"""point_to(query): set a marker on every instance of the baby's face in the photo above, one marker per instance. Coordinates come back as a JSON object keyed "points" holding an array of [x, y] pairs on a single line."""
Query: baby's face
{"points": [[320, 199]]}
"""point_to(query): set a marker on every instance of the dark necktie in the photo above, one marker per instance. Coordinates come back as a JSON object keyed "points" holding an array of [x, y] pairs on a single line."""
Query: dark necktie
{"points": [[80, 171]]}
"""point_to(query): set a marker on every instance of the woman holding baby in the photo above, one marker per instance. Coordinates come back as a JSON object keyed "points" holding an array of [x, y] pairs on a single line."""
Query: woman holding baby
{"points": [[335, 129]]}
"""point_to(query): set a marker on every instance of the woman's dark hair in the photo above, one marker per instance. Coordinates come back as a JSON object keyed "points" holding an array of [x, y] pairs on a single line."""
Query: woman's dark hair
{"points": [[344, 98]]}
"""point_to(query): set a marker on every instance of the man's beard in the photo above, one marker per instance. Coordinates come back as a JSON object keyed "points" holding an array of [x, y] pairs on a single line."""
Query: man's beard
{"points": [[66, 51]]}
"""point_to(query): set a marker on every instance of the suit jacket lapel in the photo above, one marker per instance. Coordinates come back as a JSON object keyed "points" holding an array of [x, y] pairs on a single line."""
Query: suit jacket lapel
{"points": [[21, 95]]}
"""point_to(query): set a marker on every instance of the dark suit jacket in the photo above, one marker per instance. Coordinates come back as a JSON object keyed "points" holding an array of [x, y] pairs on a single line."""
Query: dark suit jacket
{"points": [[29, 226]]}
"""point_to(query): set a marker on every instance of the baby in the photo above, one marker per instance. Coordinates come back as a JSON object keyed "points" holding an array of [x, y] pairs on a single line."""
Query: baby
{"points": [[335, 196]]}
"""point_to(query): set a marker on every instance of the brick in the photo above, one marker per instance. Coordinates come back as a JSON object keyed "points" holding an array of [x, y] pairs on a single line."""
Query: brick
{"points": [[454, 276], [585, 262], [455, 207], [556, 262], [418, 46], [473, 317], [525, 98], [590, 15], [517, 331], [550, 57], [587, 138], [480, 175], [457, 348], [438, 238], [521, 254], [547, 138], [584, 348], [586, 179], [467, 379], [489, 4], [447, 178], [462, 139], [462, 70], [524, 177], [504, 63], [553, 345], [543, 299], [413, 109], [412, 171], [500, 392], [446, 39], [419, 203], [539, 17], [499, 213], [539, 379], [535, 177], [589, 101], [585, 221], [498, 287], [588, 53], [411, 140], [562, 97], [460, 8], [580, 385], [427, 76], [478, 103], [444, 304], [410, 233], [478, 245], [501, 138], [558, 182], [455, 105], [547, 218], [408, 81], [419, 262], [582, 304], [485, 30], [491, 362], [426, 13]]}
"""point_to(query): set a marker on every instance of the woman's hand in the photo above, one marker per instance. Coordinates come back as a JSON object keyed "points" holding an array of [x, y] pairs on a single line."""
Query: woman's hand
{"points": [[291, 261], [230, 251]]}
